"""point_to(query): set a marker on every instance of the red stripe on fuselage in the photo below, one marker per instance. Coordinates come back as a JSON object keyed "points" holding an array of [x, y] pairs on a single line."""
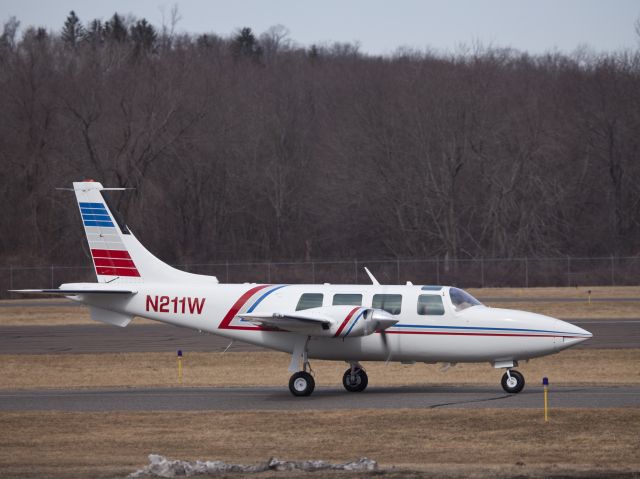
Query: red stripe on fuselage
{"points": [[224, 324], [346, 320], [110, 253]]}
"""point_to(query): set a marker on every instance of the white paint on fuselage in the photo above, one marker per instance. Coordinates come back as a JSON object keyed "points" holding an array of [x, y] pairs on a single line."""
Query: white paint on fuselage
{"points": [[476, 334]]}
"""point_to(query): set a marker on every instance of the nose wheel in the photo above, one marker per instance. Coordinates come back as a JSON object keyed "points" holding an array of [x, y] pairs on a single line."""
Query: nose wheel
{"points": [[512, 381]]}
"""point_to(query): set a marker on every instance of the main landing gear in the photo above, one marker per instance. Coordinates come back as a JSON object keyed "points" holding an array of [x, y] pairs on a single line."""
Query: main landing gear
{"points": [[355, 379], [302, 383], [512, 381]]}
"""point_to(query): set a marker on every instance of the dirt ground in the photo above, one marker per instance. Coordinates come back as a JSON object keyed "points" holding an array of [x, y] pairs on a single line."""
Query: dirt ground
{"points": [[605, 367], [65, 313], [451, 443]]}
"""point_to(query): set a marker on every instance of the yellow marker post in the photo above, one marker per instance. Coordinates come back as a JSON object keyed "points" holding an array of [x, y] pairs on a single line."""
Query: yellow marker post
{"points": [[589, 297], [545, 384], [180, 366]]}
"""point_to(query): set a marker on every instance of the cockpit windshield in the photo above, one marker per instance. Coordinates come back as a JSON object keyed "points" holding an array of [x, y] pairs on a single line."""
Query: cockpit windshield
{"points": [[462, 300]]}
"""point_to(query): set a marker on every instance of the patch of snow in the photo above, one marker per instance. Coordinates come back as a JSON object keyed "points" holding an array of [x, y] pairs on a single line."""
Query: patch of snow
{"points": [[160, 466]]}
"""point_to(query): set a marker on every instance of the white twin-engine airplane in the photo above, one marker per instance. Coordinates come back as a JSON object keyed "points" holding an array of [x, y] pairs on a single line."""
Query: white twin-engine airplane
{"points": [[350, 323]]}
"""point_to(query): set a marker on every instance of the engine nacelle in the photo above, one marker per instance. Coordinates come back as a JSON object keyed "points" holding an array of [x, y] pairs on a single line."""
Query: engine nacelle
{"points": [[354, 321], [329, 321]]}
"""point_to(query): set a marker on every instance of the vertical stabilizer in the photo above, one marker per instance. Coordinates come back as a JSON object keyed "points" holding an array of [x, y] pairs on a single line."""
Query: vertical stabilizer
{"points": [[117, 255]]}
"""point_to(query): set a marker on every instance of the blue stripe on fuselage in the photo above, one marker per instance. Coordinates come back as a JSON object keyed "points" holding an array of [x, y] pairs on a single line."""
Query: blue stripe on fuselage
{"points": [[254, 305], [479, 328], [354, 323]]}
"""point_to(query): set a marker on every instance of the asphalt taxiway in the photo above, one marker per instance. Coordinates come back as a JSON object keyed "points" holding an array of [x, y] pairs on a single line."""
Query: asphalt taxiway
{"points": [[279, 399]]}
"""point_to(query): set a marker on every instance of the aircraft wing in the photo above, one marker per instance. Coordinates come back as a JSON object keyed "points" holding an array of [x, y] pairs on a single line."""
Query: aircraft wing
{"points": [[297, 322]]}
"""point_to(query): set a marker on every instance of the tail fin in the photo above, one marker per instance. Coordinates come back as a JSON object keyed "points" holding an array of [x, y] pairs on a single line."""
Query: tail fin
{"points": [[117, 255]]}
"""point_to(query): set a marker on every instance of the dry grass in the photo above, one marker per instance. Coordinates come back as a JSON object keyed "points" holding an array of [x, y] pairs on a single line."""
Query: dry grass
{"points": [[569, 311], [442, 442], [581, 292], [573, 367], [65, 314]]}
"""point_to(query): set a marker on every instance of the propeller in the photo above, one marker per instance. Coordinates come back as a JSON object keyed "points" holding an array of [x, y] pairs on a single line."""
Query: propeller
{"points": [[383, 334], [383, 320]]}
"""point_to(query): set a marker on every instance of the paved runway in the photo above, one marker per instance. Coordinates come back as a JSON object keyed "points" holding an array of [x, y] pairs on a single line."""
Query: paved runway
{"points": [[97, 338], [277, 399]]}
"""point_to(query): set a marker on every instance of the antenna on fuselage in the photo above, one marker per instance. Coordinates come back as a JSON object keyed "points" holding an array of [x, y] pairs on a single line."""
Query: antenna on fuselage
{"points": [[372, 277]]}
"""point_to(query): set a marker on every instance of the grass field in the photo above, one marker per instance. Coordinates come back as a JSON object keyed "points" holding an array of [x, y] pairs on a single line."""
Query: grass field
{"points": [[605, 367], [65, 313], [441, 443]]}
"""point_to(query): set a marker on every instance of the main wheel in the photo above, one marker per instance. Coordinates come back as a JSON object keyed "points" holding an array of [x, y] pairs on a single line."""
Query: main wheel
{"points": [[357, 383], [301, 384], [513, 382]]}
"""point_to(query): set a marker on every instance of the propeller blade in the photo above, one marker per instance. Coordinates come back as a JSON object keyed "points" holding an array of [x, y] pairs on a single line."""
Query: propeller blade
{"points": [[383, 336]]}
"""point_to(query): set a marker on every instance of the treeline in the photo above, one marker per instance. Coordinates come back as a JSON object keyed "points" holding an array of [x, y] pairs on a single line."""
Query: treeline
{"points": [[251, 147]]}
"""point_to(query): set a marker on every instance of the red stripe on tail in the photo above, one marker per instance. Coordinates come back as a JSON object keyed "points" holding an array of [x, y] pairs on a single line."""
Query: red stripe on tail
{"points": [[110, 253], [117, 271], [117, 263]]}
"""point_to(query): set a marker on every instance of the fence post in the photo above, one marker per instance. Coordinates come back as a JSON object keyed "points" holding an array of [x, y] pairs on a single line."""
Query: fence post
{"points": [[613, 271], [11, 278]]}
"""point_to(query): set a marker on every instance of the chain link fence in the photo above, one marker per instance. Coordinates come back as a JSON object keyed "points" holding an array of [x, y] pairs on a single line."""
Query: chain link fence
{"points": [[483, 273]]}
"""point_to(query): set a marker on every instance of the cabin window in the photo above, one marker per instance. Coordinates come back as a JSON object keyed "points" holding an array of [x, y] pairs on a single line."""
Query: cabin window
{"points": [[347, 299], [430, 305], [391, 303], [309, 300]]}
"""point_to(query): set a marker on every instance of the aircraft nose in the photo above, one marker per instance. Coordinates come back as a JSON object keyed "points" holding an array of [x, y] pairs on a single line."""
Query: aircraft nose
{"points": [[571, 334]]}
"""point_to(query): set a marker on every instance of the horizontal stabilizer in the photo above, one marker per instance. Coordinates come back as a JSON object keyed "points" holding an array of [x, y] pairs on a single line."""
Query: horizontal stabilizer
{"points": [[110, 317], [72, 292]]}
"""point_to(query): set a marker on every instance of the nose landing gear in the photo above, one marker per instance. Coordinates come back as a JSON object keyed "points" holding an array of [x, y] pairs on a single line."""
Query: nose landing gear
{"points": [[512, 381]]}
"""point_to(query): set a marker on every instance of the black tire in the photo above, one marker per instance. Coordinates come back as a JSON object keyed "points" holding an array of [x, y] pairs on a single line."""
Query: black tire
{"points": [[301, 384], [515, 385], [359, 383]]}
